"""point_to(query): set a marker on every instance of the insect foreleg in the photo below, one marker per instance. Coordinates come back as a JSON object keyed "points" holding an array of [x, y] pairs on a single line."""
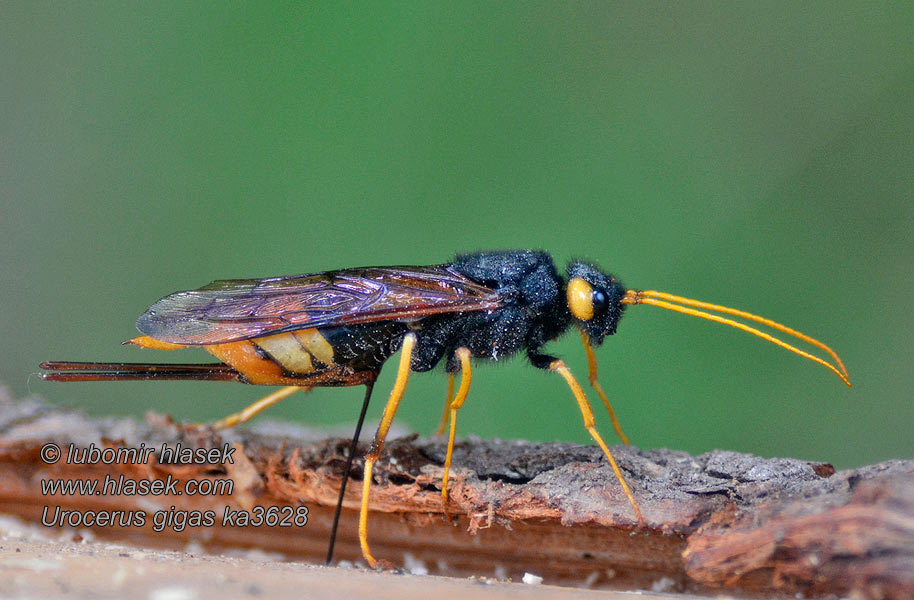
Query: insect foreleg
{"points": [[592, 376], [559, 366]]}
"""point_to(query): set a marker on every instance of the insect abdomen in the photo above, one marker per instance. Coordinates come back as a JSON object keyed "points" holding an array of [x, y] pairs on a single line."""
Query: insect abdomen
{"points": [[274, 358]]}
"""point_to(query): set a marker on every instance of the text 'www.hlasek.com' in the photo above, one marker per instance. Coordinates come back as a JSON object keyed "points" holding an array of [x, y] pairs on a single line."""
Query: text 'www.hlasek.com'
{"points": [[167, 517]]}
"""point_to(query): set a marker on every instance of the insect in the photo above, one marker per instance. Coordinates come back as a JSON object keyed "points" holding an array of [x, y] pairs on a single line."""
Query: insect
{"points": [[338, 328]]}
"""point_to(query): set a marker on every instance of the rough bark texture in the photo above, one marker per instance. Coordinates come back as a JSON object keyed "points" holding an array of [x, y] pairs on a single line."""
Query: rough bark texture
{"points": [[721, 520]]}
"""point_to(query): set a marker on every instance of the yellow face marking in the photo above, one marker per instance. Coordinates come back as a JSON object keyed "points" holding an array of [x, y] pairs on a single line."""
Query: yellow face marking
{"points": [[285, 349], [315, 343], [580, 299]]}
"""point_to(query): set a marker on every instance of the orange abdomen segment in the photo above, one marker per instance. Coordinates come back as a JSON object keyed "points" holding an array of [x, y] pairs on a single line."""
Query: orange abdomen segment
{"points": [[144, 341], [275, 359], [244, 358]]}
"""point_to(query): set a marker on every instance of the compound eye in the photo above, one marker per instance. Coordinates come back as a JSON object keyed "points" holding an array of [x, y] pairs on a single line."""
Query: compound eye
{"points": [[599, 302], [581, 299]]}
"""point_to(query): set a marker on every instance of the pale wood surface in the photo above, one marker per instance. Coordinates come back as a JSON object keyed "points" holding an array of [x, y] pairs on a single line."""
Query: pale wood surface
{"points": [[41, 568]]}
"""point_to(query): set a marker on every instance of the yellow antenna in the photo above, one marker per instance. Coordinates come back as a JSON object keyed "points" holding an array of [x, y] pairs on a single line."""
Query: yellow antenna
{"points": [[664, 300]]}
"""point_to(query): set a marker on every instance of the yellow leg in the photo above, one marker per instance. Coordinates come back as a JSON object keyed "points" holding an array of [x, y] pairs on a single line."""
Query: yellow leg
{"points": [[374, 452], [251, 411], [447, 403], [559, 367], [466, 376], [592, 368]]}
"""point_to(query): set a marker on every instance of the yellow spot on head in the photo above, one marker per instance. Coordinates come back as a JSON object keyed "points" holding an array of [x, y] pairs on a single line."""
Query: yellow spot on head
{"points": [[580, 299]]}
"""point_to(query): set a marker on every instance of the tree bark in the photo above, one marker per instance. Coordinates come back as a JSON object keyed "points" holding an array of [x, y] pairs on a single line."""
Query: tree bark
{"points": [[717, 521]]}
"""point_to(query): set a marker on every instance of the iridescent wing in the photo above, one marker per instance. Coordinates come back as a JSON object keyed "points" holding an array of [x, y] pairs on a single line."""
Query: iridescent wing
{"points": [[239, 309]]}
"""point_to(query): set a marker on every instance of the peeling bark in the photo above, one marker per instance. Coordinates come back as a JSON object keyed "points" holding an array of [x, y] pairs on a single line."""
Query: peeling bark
{"points": [[720, 520]]}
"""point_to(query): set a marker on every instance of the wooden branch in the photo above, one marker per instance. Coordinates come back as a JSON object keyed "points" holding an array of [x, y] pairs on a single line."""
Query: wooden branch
{"points": [[721, 520]]}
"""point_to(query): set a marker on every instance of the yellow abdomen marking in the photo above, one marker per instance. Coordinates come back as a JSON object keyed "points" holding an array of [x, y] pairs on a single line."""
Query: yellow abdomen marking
{"points": [[263, 359], [316, 344], [286, 350]]}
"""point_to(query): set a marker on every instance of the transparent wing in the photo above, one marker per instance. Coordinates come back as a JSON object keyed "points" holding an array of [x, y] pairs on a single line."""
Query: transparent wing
{"points": [[231, 310]]}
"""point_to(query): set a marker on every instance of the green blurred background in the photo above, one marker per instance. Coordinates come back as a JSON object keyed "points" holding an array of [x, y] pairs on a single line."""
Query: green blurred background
{"points": [[755, 155]]}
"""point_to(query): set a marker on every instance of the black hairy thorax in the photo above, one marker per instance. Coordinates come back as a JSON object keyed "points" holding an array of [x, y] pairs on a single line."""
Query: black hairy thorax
{"points": [[533, 310]]}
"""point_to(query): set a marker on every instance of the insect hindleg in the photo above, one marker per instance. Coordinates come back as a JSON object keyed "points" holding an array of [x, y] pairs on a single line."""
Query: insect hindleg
{"points": [[447, 404], [561, 368], [592, 375], [374, 452], [251, 411], [466, 376]]}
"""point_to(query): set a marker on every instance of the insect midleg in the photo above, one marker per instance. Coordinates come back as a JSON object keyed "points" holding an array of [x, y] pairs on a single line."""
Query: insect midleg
{"points": [[254, 409], [466, 376], [374, 452], [353, 447], [592, 375], [447, 404], [561, 368]]}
